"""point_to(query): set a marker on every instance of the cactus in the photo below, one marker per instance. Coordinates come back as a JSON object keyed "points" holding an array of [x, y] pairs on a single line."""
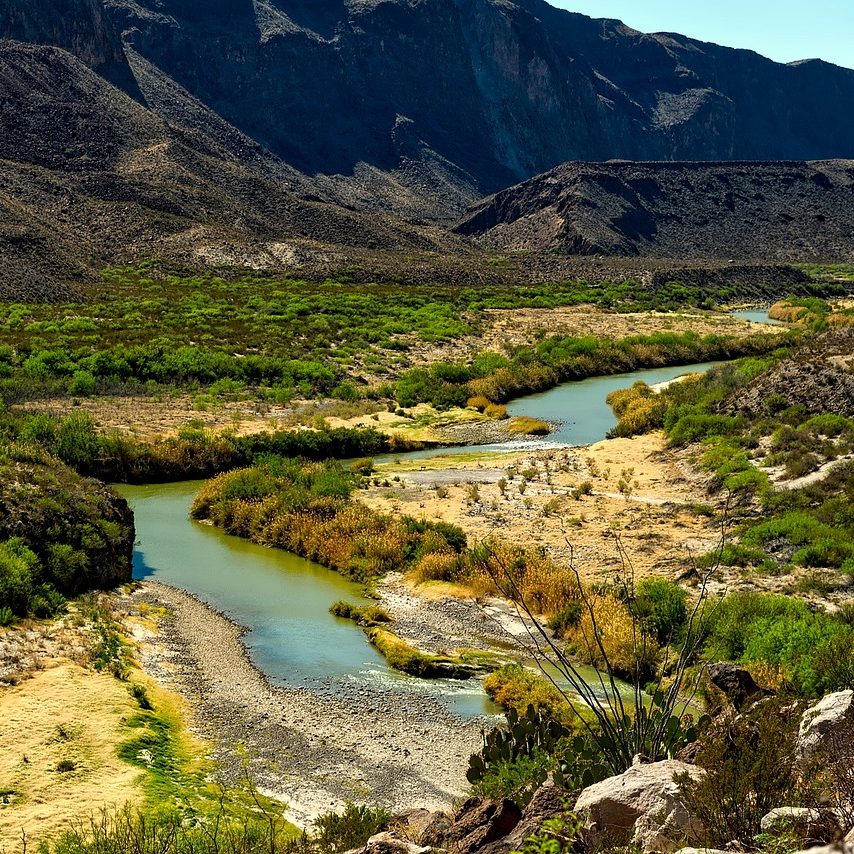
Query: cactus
{"points": [[521, 737]]}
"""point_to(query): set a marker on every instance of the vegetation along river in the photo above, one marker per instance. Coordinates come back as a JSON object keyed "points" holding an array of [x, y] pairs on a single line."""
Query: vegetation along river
{"points": [[284, 600]]}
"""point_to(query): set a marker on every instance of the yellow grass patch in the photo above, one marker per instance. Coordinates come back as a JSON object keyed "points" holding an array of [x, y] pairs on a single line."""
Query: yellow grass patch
{"points": [[58, 758]]}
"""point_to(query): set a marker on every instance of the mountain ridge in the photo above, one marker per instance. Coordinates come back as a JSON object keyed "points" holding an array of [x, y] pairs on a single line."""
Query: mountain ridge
{"points": [[783, 210]]}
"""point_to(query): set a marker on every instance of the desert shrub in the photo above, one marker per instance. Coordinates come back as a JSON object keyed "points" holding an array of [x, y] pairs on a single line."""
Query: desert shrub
{"points": [[515, 778], [750, 769], [567, 618], [515, 687], [638, 409], [522, 574], [608, 637], [351, 828], [19, 568], [437, 566], [809, 648], [662, 605], [82, 384], [364, 615]]}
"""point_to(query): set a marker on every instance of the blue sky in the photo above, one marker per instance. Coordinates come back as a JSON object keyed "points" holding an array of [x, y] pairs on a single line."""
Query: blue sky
{"points": [[784, 30]]}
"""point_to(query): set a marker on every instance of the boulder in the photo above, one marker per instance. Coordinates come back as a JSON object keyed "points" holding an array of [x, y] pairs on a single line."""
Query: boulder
{"points": [[481, 821], [736, 683], [549, 801], [827, 726], [641, 806], [423, 827], [809, 825], [391, 843]]}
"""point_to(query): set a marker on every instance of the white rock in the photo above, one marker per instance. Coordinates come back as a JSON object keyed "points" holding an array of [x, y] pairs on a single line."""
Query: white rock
{"points": [[826, 725], [807, 823], [390, 843], [641, 806]]}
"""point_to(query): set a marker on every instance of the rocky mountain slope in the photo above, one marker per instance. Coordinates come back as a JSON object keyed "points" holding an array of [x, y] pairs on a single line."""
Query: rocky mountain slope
{"points": [[398, 102], [743, 210], [90, 177], [311, 133]]}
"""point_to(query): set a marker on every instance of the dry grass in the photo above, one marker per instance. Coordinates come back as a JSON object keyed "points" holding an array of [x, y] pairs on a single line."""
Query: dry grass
{"points": [[63, 717], [525, 426]]}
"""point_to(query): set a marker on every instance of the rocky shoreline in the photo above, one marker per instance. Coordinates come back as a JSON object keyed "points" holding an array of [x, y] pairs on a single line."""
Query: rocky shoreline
{"points": [[312, 751]]}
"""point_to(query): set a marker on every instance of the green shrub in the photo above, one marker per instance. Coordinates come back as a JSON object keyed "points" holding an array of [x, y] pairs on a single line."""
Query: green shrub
{"points": [[337, 832], [750, 768], [783, 633], [82, 384], [662, 605]]}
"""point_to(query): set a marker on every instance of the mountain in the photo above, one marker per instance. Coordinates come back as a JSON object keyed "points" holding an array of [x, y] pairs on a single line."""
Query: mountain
{"points": [[316, 135], [741, 210], [90, 177], [393, 103]]}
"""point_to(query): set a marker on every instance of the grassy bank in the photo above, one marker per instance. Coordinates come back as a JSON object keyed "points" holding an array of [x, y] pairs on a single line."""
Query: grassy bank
{"points": [[557, 359]]}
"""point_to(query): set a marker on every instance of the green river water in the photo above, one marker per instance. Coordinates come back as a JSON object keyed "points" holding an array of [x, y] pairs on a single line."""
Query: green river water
{"points": [[283, 600]]}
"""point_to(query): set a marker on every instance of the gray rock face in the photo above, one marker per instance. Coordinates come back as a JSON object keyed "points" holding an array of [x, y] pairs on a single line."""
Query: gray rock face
{"points": [[640, 807], [670, 210], [827, 725], [480, 93]]}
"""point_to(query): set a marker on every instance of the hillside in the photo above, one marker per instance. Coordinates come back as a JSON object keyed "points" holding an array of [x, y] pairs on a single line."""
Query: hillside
{"points": [[796, 211], [321, 137], [398, 103], [90, 177]]}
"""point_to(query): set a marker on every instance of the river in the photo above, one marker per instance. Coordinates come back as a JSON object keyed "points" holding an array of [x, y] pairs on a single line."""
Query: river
{"points": [[284, 600]]}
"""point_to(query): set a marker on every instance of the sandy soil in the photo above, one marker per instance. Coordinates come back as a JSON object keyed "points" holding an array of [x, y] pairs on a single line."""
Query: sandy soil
{"points": [[62, 713], [652, 511], [53, 708], [314, 752]]}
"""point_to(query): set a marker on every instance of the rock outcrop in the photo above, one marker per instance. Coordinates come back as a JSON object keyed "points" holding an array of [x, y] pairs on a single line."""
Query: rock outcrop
{"points": [[736, 683], [641, 807], [826, 726], [732, 211], [809, 825], [480, 822]]}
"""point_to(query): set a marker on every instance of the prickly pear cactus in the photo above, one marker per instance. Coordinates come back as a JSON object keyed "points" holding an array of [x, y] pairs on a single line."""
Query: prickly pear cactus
{"points": [[521, 737]]}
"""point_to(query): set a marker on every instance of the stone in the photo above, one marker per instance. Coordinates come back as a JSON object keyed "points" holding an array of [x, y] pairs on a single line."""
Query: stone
{"points": [[424, 827], [391, 843], [827, 726], [547, 802], [736, 683], [640, 807], [703, 851], [482, 821], [810, 825]]}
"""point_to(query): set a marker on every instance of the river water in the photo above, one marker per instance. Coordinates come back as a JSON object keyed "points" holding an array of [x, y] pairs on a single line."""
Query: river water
{"points": [[284, 600]]}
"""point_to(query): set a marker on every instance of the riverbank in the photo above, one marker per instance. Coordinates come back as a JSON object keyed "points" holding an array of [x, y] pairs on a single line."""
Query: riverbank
{"points": [[570, 501], [313, 751]]}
